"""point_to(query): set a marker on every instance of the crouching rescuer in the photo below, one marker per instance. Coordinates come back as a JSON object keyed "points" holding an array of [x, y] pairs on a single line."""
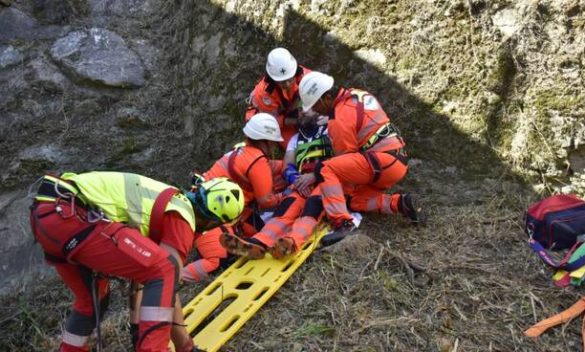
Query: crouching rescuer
{"points": [[97, 225], [369, 154]]}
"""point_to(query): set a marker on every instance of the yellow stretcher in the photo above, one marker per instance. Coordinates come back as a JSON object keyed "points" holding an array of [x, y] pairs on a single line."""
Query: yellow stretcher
{"points": [[226, 304]]}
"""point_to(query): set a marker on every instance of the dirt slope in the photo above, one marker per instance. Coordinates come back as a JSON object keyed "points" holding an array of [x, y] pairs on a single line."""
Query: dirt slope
{"points": [[488, 94]]}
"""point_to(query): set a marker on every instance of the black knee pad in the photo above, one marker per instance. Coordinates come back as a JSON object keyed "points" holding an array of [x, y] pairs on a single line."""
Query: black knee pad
{"points": [[79, 324], [313, 207], [317, 172], [255, 220], [176, 265], [283, 207], [153, 289]]}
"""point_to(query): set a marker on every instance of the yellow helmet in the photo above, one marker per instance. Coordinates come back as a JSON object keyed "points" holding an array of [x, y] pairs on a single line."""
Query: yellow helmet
{"points": [[218, 199]]}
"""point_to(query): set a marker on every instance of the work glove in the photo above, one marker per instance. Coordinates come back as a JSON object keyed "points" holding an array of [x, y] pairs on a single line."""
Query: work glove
{"points": [[290, 173]]}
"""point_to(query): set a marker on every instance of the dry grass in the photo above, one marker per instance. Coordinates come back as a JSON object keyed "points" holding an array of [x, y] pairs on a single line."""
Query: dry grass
{"points": [[466, 282]]}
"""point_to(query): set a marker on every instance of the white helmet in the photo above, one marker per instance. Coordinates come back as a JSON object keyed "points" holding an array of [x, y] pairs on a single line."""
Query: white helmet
{"points": [[281, 65], [263, 126], [313, 85]]}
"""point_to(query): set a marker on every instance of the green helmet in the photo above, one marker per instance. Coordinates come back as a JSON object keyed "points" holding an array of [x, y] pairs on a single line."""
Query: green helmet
{"points": [[218, 199]]}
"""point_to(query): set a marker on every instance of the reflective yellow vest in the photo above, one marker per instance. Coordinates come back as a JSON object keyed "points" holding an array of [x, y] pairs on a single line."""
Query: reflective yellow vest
{"points": [[127, 198]]}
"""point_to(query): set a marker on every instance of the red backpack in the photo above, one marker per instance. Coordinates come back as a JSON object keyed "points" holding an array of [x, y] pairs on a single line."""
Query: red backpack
{"points": [[557, 223]]}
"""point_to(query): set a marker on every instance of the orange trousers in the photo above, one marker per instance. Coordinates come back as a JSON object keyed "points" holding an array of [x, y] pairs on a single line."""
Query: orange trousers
{"points": [[354, 171], [295, 218], [304, 226], [111, 249], [211, 252], [283, 218]]}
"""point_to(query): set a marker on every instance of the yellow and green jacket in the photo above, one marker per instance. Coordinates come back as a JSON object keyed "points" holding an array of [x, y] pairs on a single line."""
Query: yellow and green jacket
{"points": [[122, 197]]}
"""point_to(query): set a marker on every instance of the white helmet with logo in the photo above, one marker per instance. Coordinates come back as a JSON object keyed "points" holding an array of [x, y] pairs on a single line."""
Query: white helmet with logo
{"points": [[281, 65], [313, 85], [263, 126]]}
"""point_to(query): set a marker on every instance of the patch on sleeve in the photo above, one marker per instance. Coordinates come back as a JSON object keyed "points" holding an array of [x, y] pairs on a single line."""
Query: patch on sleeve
{"points": [[266, 100], [370, 103]]}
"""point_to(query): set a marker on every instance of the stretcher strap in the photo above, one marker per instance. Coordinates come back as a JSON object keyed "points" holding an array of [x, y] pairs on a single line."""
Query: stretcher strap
{"points": [[561, 318], [564, 263]]}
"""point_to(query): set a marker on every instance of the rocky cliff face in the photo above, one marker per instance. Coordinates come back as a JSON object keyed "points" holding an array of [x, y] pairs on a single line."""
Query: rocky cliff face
{"points": [[480, 89], [159, 88]]}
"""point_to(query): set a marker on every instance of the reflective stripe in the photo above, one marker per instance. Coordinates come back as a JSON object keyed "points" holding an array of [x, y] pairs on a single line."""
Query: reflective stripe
{"points": [[372, 204], [386, 205], [180, 201], [74, 340], [133, 198], [332, 191], [336, 208], [197, 270], [156, 314], [387, 143], [273, 234], [200, 269], [306, 226], [370, 127], [223, 162]]}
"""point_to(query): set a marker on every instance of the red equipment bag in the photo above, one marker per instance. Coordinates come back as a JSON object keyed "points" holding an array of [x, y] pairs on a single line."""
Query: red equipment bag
{"points": [[557, 223]]}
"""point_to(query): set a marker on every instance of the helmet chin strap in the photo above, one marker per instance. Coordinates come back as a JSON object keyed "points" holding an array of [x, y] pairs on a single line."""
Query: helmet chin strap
{"points": [[198, 199]]}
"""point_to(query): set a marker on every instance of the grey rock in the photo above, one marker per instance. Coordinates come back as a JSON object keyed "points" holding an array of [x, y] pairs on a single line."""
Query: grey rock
{"points": [[98, 57], [18, 253], [59, 11], [50, 32], [16, 24], [9, 56], [47, 75], [147, 52], [123, 8], [12, 83], [50, 153]]}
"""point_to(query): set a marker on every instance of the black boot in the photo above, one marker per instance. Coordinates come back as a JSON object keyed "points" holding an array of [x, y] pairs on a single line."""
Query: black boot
{"points": [[409, 206], [339, 233]]}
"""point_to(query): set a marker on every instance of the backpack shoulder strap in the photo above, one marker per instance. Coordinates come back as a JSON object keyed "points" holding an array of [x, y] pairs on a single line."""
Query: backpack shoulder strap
{"points": [[360, 113], [158, 211], [564, 263], [236, 176]]}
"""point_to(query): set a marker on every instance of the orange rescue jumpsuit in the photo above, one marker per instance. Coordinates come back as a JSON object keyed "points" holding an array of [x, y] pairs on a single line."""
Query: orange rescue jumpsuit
{"points": [[368, 164], [268, 97], [295, 213], [258, 176]]}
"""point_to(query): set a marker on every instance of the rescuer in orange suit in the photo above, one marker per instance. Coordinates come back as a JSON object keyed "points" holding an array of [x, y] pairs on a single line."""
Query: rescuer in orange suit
{"points": [[98, 225], [298, 214], [249, 166], [368, 151], [277, 92]]}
